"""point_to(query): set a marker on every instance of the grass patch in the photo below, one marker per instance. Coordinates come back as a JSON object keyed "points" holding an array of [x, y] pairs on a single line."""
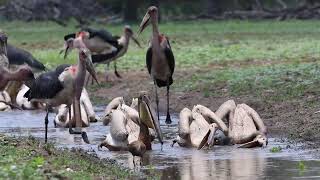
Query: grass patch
{"points": [[276, 149], [208, 46], [278, 82], [195, 43], [26, 158]]}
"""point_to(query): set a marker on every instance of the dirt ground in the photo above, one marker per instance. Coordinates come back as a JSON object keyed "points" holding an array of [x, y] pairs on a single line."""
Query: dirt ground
{"points": [[294, 119]]}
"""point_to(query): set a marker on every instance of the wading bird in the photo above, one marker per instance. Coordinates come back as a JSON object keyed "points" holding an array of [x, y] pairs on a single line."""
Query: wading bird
{"points": [[63, 86], [104, 47], [23, 73], [159, 59], [130, 124], [62, 118], [23, 102], [18, 57], [4, 62], [245, 126], [131, 127]]}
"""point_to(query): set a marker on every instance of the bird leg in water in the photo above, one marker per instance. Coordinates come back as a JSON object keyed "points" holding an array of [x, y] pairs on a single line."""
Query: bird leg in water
{"points": [[46, 122], [69, 123], [77, 114], [168, 119], [115, 70], [157, 99]]}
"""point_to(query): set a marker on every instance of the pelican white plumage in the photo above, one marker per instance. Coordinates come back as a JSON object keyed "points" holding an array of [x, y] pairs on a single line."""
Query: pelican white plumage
{"points": [[4, 98], [24, 103], [62, 118]]}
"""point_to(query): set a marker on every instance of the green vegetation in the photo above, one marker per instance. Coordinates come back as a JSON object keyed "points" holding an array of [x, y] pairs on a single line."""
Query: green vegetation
{"points": [[222, 57], [301, 166], [276, 149], [26, 158]]}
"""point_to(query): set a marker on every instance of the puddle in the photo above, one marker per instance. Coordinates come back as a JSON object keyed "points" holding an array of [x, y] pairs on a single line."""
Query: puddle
{"points": [[223, 162]]}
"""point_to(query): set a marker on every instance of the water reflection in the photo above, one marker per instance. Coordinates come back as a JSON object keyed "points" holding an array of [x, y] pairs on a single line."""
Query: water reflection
{"points": [[223, 162]]}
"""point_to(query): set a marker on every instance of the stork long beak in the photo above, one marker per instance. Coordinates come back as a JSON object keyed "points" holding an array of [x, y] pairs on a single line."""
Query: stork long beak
{"points": [[90, 69], [145, 22], [148, 117], [136, 41]]}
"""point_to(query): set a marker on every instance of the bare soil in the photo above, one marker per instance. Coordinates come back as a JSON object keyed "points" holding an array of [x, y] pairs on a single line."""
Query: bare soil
{"points": [[294, 119]]}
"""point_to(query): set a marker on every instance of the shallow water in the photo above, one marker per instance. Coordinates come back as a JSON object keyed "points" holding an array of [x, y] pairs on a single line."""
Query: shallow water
{"points": [[223, 162]]}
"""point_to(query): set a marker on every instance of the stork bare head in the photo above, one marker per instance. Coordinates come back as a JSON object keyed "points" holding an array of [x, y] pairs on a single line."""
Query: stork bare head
{"points": [[129, 33], [151, 15]]}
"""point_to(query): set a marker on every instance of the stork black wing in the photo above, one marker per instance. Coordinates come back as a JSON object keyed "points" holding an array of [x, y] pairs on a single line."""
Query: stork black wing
{"points": [[149, 59], [98, 58], [170, 57], [46, 86], [103, 34], [68, 36], [19, 56]]}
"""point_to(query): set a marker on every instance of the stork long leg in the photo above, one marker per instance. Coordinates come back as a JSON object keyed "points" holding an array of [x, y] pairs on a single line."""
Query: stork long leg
{"points": [[46, 122], [77, 116], [168, 119], [69, 123], [115, 70], [106, 70], [157, 99]]}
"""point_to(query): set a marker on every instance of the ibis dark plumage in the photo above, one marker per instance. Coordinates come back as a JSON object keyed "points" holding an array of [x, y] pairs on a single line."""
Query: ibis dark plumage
{"points": [[159, 59], [64, 85]]}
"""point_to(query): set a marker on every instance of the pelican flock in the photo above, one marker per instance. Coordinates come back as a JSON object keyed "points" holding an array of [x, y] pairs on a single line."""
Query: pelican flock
{"points": [[133, 127]]}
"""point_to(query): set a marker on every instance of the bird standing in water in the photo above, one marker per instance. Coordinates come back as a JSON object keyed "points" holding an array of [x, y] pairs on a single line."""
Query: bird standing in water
{"points": [[159, 59]]}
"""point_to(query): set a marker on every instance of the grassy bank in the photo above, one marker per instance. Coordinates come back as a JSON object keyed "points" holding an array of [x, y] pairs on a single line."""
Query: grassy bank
{"points": [[26, 158], [240, 57]]}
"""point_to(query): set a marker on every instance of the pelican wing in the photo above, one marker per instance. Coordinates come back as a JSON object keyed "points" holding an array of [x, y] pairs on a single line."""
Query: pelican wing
{"points": [[148, 117]]}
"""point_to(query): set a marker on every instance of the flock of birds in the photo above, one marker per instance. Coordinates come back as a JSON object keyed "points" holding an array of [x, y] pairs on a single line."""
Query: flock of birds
{"points": [[133, 127]]}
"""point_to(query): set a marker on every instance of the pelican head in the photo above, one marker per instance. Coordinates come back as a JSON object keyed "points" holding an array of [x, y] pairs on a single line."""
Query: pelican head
{"points": [[147, 115]]}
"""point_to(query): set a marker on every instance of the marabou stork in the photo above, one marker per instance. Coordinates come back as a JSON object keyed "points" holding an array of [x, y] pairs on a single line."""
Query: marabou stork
{"points": [[104, 47], [19, 57], [4, 62], [22, 74], [160, 60], [64, 85]]}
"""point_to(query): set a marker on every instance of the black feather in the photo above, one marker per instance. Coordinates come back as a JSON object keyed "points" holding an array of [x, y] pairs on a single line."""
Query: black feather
{"points": [[149, 59], [103, 34], [68, 36], [47, 85], [17, 56]]}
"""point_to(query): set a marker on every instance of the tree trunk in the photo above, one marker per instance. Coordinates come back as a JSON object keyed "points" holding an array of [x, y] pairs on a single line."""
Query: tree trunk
{"points": [[130, 11]]}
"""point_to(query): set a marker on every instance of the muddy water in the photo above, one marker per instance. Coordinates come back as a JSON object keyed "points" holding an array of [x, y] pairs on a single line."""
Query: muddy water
{"points": [[224, 162]]}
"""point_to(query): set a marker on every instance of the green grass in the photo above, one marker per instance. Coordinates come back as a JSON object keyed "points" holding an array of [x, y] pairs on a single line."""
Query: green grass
{"points": [[215, 48], [26, 158], [278, 82], [195, 43], [276, 149]]}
